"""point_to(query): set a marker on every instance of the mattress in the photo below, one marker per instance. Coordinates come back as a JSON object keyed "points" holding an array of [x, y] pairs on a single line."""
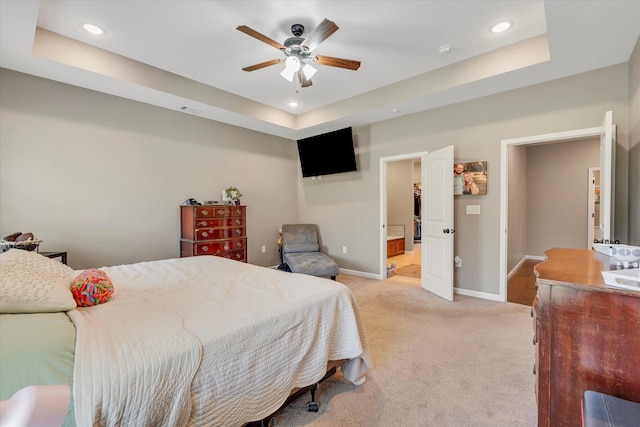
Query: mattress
{"points": [[209, 341]]}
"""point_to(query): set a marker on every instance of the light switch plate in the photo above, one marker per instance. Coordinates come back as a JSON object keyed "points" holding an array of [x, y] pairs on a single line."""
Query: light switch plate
{"points": [[473, 209]]}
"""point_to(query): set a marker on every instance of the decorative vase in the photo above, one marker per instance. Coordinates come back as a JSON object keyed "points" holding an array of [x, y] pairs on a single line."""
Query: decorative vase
{"points": [[237, 202]]}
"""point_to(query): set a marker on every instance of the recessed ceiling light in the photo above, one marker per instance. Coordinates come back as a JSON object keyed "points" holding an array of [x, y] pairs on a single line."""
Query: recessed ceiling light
{"points": [[93, 29], [293, 104], [500, 27]]}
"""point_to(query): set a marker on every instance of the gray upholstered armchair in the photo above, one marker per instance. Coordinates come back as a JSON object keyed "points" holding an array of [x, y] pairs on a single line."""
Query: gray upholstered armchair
{"points": [[301, 251]]}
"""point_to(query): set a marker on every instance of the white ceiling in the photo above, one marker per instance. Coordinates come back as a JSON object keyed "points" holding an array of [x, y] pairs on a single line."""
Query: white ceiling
{"points": [[189, 53]]}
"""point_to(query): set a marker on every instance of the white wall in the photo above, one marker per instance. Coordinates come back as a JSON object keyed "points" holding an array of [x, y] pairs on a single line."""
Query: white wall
{"points": [[103, 177]]}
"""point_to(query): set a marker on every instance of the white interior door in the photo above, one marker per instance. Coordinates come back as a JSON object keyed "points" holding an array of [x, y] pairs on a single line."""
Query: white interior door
{"points": [[437, 222], [607, 188]]}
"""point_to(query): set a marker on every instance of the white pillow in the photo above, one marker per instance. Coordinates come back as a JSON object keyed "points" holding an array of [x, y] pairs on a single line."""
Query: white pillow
{"points": [[5, 257], [33, 283]]}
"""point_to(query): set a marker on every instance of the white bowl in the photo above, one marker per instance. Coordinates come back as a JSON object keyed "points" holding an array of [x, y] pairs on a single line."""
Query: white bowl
{"points": [[626, 254]]}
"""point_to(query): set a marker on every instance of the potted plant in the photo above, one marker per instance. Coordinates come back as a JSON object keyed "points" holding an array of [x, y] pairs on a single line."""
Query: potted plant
{"points": [[233, 194]]}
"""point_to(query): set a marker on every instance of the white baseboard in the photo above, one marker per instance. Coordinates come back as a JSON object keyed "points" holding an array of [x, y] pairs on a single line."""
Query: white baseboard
{"points": [[476, 294], [526, 257], [361, 274]]}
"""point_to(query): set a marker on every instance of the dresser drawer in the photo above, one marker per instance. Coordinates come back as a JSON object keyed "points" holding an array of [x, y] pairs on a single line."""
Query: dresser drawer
{"points": [[219, 233], [219, 222], [219, 211], [239, 255], [217, 248]]}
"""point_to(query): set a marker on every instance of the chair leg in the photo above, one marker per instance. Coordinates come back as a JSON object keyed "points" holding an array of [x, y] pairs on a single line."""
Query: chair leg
{"points": [[333, 277]]}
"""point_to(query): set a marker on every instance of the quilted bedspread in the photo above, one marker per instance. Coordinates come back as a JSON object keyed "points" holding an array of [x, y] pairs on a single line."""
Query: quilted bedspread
{"points": [[209, 341]]}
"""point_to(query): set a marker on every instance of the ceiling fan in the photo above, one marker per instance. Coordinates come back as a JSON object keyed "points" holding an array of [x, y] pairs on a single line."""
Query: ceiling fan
{"points": [[298, 52]]}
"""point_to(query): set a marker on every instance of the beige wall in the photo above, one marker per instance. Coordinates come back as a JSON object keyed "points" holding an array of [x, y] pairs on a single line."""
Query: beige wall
{"points": [[517, 205], [103, 177], [634, 146], [106, 175], [348, 208], [400, 198], [557, 194]]}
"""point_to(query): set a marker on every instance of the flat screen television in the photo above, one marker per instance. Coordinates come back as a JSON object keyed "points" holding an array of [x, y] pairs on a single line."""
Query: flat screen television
{"points": [[328, 153]]}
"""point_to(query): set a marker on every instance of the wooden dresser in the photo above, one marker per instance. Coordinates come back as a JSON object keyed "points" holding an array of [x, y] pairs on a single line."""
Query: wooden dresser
{"points": [[218, 230], [587, 335]]}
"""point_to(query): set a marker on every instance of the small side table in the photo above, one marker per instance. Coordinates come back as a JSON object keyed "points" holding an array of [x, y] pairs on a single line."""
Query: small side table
{"points": [[52, 255]]}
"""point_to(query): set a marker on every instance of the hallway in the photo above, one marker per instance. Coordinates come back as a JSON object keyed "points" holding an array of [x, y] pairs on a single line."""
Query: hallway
{"points": [[521, 286]]}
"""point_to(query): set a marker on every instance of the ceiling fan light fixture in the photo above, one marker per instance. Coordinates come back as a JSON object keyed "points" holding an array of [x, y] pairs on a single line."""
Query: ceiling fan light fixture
{"points": [[287, 73], [308, 71], [291, 66]]}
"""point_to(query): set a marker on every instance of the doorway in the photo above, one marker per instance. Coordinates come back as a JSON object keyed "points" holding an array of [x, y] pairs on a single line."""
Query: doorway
{"points": [[607, 144], [436, 260]]}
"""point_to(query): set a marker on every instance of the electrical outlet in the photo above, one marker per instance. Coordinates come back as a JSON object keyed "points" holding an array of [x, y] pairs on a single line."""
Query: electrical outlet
{"points": [[344, 249], [264, 249]]}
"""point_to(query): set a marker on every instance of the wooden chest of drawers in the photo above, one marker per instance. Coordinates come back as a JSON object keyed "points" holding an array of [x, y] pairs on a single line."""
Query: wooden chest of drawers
{"points": [[217, 230], [587, 335]]}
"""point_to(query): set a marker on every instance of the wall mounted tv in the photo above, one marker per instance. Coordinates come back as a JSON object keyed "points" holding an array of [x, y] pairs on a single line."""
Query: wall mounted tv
{"points": [[328, 153]]}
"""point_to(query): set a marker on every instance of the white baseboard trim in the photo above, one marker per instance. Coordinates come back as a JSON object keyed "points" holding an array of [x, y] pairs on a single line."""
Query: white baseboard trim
{"points": [[524, 258], [360, 274], [477, 294]]}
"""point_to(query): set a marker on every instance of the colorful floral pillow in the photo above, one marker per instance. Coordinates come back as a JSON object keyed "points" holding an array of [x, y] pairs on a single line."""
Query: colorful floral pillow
{"points": [[91, 287]]}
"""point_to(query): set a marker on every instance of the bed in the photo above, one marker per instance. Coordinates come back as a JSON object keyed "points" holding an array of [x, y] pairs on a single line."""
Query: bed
{"points": [[187, 341], [395, 240]]}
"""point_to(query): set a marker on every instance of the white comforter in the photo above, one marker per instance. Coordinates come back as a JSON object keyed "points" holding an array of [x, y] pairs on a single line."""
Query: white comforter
{"points": [[209, 341]]}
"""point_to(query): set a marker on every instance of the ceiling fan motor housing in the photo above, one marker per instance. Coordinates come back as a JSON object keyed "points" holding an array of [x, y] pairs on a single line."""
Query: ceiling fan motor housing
{"points": [[297, 29]]}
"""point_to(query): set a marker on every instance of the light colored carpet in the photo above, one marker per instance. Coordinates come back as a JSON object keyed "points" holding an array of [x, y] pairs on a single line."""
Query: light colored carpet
{"points": [[411, 270], [436, 363]]}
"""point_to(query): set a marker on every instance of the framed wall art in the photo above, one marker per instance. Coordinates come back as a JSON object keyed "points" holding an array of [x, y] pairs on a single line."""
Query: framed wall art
{"points": [[470, 178]]}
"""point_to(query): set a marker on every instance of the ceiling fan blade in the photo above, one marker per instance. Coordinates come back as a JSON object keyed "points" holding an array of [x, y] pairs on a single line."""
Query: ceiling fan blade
{"points": [[320, 34], [262, 65], [304, 81], [337, 62], [253, 33]]}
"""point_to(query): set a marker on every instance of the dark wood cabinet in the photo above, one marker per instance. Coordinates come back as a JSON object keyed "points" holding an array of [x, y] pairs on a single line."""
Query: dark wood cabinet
{"points": [[218, 230], [395, 247], [587, 335]]}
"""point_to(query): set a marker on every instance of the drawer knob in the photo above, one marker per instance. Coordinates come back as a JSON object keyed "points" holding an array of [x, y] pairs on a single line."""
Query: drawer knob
{"points": [[205, 249], [226, 247], [202, 224], [205, 234]]}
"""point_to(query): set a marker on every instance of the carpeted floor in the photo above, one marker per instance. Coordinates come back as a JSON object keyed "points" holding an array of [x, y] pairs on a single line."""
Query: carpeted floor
{"points": [[411, 270], [436, 363]]}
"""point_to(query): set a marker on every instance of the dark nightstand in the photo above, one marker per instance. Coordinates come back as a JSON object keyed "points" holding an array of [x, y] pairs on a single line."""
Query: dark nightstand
{"points": [[52, 255]]}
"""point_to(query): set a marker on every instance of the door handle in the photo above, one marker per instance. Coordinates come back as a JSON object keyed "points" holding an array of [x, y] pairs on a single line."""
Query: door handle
{"points": [[446, 231]]}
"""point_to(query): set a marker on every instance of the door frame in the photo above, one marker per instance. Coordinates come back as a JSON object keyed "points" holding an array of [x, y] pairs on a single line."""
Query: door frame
{"points": [[591, 199], [383, 203], [586, 133]]}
